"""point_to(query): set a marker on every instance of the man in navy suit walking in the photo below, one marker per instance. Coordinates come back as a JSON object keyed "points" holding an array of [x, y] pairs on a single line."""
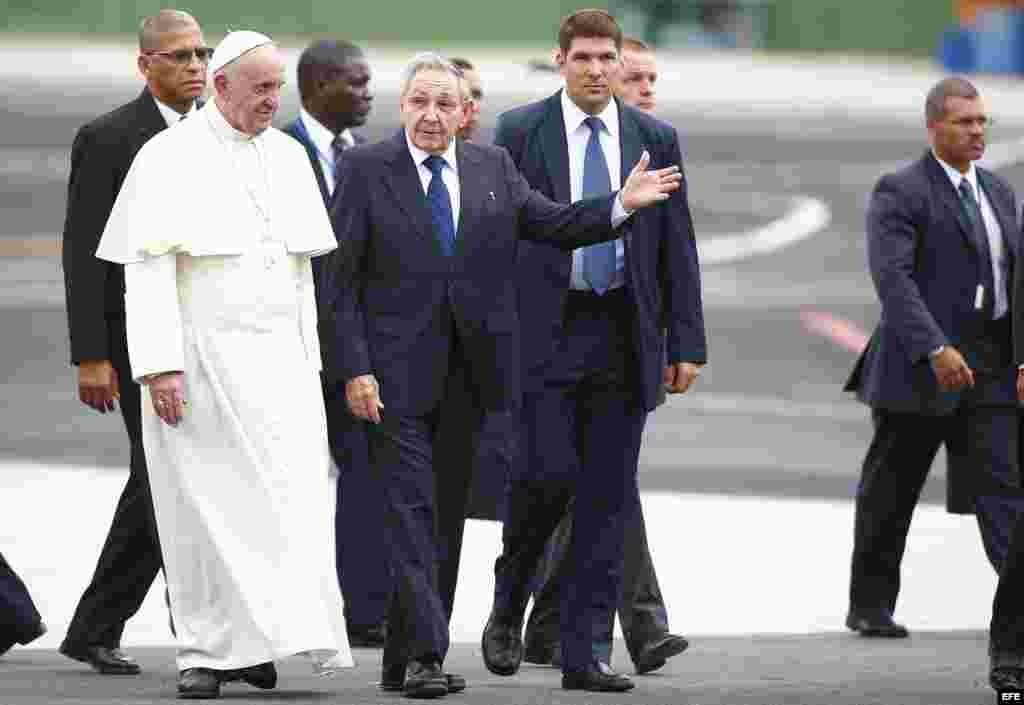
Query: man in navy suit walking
{"points": [[943, 245], [598, 326], [334, 87], [421, 299]]}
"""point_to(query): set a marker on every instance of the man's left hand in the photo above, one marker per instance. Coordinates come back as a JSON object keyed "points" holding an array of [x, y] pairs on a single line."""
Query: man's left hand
{"points": [[644, 188], [680, 376]]}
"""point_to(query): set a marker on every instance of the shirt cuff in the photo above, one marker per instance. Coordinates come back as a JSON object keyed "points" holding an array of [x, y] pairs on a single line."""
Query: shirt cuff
{"points": [[619, 212]]}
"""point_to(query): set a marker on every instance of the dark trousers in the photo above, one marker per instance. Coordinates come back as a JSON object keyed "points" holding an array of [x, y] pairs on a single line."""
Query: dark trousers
{"points": [[581, 442], [894, 471], [361, 537], [19, 619], [130, 559], [641, 607], [1006, 632], [426, 493]]}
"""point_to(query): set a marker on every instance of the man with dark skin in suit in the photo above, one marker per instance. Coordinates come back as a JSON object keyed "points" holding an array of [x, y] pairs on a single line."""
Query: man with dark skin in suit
{"points": [[172, 58]]}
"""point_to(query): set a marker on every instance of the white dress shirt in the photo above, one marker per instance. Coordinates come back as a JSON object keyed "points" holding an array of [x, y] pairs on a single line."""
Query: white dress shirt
{"points": [[577, 134], [323, 141], [450, 174], [171, 115], [992, 228]]}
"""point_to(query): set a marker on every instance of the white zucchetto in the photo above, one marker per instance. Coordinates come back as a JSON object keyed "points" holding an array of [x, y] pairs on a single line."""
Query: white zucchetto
{"points": [[234, 45]]}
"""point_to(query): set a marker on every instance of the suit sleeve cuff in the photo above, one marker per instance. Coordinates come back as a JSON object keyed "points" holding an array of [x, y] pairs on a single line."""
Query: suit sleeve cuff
{"points": [[619, 212]]}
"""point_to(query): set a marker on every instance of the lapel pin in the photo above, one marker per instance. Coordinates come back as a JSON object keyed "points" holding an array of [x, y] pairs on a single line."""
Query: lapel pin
{"points": [[492, 195]]}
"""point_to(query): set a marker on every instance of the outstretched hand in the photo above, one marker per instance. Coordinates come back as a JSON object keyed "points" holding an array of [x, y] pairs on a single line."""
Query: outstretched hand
{"points": [[644, 188]]}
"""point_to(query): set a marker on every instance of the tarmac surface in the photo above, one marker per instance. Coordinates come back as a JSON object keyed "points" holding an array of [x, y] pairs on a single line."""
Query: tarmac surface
{"points": [[747, 480]]}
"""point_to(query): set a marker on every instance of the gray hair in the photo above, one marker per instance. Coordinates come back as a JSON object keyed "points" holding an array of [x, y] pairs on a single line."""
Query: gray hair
{"points": [[429, 61], [952, 87]]}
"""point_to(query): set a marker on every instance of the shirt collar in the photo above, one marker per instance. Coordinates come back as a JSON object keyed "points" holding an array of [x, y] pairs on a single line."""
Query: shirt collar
{"points": [[170, 115], [419, 156], [223, 129], [574, 117], [323, 138], [956, 177]]}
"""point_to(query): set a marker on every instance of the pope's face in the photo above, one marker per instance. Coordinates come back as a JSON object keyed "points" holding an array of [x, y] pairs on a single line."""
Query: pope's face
{"points": [[251, 94], [432, 110]]}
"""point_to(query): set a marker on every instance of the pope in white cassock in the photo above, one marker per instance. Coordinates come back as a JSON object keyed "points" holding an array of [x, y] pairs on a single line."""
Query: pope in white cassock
{"points": [[216, 224]]}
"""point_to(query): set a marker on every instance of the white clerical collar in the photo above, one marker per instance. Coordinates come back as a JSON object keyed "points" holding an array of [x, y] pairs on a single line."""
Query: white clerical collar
{"points": [[574, 117], [956, 177], [323, 138], [419, 156], [169, 114], [222, 128]]}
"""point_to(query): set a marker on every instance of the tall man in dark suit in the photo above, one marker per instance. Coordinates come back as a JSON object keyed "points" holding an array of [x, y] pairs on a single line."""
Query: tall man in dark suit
{"points": [[943, 244], [173, 58], [595, 326], [334, 87], [641, 606], [422, 296]]}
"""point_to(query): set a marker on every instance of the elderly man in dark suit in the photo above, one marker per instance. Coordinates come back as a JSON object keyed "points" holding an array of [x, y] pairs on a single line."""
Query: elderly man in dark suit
{"points": [[422, 296], [173, 58], [334, 87], [943, 245], [605, 329]]}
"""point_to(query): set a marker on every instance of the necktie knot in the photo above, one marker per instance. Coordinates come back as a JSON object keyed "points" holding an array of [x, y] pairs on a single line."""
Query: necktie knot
{"points": [[595, 124], [966, 190], [434, 163]]}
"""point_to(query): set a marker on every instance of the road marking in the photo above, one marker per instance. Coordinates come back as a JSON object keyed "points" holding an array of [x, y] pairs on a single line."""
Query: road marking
{"points": [[845, 334], [804, 217]]}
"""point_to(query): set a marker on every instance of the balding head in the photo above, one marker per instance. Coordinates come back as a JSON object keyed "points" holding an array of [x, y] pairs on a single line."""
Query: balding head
{"points": [[154, 29]]}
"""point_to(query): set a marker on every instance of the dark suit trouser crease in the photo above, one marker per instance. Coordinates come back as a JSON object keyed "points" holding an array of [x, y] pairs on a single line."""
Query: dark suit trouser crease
{"points": [[19, 618], [361, 545], [582, 432], [641, 607], [130, 558], [894, 471], [1006, 632], [427, 486]]}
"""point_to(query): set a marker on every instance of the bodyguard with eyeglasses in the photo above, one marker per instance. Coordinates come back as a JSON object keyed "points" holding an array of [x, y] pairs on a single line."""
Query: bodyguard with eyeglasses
{"points": [[943, 244], [173, 59]]}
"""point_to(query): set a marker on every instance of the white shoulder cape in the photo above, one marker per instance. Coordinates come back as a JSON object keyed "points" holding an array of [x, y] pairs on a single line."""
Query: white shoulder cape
{"points": [[181, 195]]}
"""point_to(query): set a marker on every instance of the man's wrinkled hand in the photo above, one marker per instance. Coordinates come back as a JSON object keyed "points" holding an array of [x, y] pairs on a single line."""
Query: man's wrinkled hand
{"points": [[951, 370], [167, 391], [680, 376], [363, 396], [97, 385], [644, 188]]}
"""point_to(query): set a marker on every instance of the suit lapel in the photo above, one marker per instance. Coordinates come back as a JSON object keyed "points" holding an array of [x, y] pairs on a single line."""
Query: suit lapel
{"points": [[471, 196], [150, 120], [405, 184], [951, 199], [1004, 211], [556, 149], [631, 145]]}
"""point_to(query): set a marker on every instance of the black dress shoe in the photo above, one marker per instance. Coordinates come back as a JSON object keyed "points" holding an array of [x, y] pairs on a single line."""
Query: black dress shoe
{"points": [[424, 680], [109, 661], [502, 646], [24, 636], [653, 655], [198, 684], [877, 624], [392, 677], [1006, 678], [598, 678], [263, 675], [372, 637], [455, 682], [542, 653]]}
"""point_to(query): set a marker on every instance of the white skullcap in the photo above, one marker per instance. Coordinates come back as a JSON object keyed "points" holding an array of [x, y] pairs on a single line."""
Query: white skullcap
{"points": [[233, 46]]}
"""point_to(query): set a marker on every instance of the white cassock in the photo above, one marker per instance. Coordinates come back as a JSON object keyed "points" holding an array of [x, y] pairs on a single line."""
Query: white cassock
{"points": [[216, 230]]}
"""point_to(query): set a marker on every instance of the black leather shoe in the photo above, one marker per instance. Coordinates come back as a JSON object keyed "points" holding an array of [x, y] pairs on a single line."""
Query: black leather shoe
{"points": [[109, 661], [392, 677], [425, 680], [599, 678], [455, 682], [198, 684], [262, 676], [653, 655], [372, 637], [1006, 678], [878, 624], [23, 637], [542, 653], [502, 646]]}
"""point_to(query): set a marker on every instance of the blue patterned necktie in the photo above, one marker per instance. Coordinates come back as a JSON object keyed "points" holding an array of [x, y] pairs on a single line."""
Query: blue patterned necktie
{"points": [[440, 205], [598, 260]]}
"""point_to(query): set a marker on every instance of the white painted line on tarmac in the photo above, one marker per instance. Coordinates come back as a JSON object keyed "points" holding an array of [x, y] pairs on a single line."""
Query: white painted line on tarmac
{"points": [[804, 217], [710, 552]]}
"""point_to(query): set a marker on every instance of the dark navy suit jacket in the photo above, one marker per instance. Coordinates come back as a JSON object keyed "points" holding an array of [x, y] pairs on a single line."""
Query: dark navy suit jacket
{"points": [[924, 261], [662, 272], [388, 288]]}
